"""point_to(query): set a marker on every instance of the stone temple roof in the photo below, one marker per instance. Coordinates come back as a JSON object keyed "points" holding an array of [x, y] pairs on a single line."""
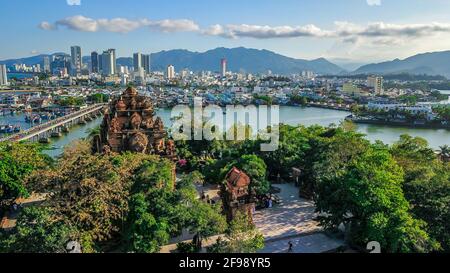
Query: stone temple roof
{"points": [[237, 178], [130, 91]]}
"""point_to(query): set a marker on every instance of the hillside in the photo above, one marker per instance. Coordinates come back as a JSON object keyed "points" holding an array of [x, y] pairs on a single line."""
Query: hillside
{"points": [[435, 63]]}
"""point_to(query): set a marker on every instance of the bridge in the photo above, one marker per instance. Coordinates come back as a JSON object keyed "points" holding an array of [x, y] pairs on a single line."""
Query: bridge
{"points": [[45, 130]]}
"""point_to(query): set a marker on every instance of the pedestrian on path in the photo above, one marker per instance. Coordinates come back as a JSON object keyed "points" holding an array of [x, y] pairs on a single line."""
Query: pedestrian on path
{"points": [[291, 247]]}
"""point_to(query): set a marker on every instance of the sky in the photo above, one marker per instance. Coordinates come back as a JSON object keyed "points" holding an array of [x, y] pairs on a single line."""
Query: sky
{"points": [[344, 31]]}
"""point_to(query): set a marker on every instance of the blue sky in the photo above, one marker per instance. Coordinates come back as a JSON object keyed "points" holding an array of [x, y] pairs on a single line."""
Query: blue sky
{"points": [[341, 30]]}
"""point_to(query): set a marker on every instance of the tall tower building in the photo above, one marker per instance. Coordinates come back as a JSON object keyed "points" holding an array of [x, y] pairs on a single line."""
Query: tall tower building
{"points": [[146, 62], [46, 64], [114, 58], [100, 63], [109, 62], [223, 67], [170, 72], [94, 62], [3, 75], [60, 62], [141, 61], [76, 59], [137, 61]]}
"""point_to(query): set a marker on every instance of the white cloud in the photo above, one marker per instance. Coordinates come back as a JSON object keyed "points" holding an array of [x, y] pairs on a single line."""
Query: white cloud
{"points": [[79, 23], [266, 32], [385, 33], [181, 25], [46, 26], [121, 25], [374, 2], [343, 30], [73, 2]]}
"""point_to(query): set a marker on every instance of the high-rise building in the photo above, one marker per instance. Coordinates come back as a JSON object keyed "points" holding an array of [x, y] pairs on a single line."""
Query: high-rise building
{"points": [[137, 61], [59, 63], [141, 60], [3, 75], [77, 60], [100, 63], [170, 74], [109, 62], [114, 58], [94, 62], [46, 64], [146, 62], [223, 67], [376, 83]]}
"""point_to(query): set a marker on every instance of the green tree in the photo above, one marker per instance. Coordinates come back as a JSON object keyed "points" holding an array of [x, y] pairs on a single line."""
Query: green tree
{"points": [[99, 98], [146, 233], [18, 160], [37, 231], [255, 168], [427, 185], [241, 237], [367, 197], [90, 191]]}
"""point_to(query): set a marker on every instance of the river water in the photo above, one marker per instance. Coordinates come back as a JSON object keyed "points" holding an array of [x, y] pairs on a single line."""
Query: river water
{"points": [[310, 116], [288, 115]]}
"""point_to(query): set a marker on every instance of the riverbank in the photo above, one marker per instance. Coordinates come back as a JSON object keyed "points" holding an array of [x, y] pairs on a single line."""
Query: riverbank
{"points": [[290, 115], [405, 124]]}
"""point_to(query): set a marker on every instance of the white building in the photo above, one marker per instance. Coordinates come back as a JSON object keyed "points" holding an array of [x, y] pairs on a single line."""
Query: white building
{"points": [[376, 83], [124, 80], [223, 67], [76, 59], [109, 62], [137, 61], [170, 74], [427, 110], [3, 75]]}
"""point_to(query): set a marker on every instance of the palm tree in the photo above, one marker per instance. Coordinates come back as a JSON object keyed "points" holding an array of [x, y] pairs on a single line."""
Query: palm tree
{"points": [[445, 152], [92, 132]]}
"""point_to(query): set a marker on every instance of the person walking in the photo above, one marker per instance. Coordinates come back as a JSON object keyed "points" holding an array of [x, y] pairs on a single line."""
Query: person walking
{"points": [[291, 247]]}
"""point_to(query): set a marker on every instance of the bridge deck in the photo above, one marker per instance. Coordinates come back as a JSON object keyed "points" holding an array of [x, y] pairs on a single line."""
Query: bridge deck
{"points": [[40, 129]]}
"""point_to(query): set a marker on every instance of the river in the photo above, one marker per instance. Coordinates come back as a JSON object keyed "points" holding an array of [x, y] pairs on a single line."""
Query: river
{"points": [[310, 116], [288, 115]]}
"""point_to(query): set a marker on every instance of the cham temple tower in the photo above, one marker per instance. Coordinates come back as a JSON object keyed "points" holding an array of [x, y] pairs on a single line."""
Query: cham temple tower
{"points": [[129, 125], [236, 194]]}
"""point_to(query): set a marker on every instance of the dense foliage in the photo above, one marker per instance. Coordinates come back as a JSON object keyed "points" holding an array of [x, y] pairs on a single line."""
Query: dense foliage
{"points": [[396, 195], [72, 101], [123, 201], [16, 162], [241, 237]]}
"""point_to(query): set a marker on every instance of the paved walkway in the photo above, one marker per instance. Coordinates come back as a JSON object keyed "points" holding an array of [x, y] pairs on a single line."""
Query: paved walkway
{"points": [[314, 243], [294, 216], [9, 221], [293, 221]]}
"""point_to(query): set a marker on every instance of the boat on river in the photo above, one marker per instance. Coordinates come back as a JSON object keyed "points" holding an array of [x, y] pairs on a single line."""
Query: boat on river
{"points": [[33, 118], [9, 129]]}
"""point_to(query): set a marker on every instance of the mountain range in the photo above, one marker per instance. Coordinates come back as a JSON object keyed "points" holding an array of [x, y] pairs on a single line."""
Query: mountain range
{"points": [[239, 60], [260, 61], [433, 63]]}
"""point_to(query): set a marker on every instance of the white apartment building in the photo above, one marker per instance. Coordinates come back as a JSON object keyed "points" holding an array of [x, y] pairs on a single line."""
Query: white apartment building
{"points": [[3, 75], [376, 83], [170, 73]]}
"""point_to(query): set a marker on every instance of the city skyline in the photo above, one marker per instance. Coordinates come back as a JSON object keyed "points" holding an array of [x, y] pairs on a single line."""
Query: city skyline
{"points": [[341, 31]]}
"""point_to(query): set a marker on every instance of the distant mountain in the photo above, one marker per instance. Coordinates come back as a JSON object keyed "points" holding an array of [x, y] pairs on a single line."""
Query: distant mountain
{"points": [[434, 63], [39, 59], [239, 60]]}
